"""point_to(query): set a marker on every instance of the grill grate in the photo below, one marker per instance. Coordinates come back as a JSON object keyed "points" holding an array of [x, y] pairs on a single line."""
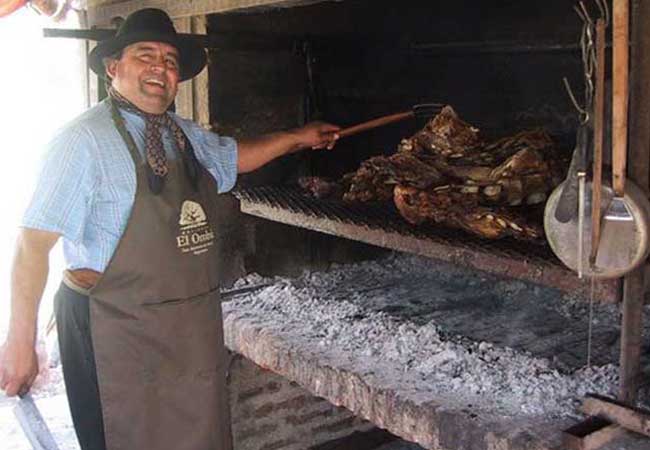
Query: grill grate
{"points": [[387, 218], [384, 227]]}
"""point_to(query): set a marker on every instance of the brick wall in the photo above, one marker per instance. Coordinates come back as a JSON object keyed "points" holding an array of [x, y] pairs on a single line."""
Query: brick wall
{"points": [[270, 412]]}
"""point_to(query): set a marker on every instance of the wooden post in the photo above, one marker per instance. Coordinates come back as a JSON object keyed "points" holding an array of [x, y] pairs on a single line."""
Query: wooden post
{"points": [[631, 329], [639, 148], [638, 172], [90, 79], [192, 100], [184, 98], [201, 83]]}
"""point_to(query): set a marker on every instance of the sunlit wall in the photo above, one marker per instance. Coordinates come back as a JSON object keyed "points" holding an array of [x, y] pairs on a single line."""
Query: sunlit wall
{"points": [[41, 88]]}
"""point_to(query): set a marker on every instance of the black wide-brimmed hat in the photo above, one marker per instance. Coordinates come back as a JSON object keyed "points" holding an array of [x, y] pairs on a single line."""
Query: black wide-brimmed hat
{"points": [[153, 25]]}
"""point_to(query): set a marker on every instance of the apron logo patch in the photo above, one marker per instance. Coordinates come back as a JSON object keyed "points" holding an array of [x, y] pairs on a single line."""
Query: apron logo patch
{"points": [[195, 236]]}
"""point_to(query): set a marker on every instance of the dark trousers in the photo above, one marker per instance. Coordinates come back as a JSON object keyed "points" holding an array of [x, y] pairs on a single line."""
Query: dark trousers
{"points": [[79, 372]]}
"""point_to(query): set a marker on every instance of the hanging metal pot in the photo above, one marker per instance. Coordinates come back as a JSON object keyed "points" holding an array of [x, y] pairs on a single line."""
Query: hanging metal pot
{"points": [[626, 253], [622, 245]]}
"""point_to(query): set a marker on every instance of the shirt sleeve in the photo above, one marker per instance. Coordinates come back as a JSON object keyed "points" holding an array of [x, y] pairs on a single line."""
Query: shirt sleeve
{"points": [[218, 154], [62, 196]]}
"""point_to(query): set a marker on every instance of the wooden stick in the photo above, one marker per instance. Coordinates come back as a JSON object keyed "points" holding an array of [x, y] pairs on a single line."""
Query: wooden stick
{"points": [[375, 123], [599, 116], [639, 112], [633, 419], [631, 335], [639, 173], [620, 83]]}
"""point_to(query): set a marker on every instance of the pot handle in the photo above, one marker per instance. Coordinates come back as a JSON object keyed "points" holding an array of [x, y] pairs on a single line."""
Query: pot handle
{"points": [[620, 83]]}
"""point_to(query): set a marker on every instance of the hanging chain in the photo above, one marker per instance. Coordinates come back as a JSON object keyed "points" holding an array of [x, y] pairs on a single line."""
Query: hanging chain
{"points": [[588, 53], [589, 63], [591, 320]]}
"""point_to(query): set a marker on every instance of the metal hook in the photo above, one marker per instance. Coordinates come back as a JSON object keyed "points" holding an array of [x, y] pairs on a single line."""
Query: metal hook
{"points": [[583, 12], [579, 12], [588, 56], [589, 52], [586, 35], [604, 11], [584, 114], [589, 60]]}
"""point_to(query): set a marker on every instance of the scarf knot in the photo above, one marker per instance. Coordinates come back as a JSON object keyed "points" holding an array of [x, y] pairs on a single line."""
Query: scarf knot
{"points": [[154, 150]]}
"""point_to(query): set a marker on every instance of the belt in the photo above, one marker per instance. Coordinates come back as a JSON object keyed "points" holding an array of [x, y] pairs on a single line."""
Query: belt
{"points": [[81, 280]]}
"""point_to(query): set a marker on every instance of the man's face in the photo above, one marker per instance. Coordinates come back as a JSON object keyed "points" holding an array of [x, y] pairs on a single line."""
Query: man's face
{"points": [[147, 75]]}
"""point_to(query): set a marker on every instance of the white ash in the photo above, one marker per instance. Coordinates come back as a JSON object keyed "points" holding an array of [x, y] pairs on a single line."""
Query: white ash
{"points": [[320, 312]]}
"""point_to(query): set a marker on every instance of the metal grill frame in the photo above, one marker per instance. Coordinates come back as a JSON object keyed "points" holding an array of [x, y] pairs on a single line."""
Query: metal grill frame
{"points": [[384, 227]]}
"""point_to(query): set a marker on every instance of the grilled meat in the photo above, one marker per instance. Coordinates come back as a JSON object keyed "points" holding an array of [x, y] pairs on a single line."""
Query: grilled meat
{"points": [[488, 154], [501, 149], [320, 187], [447, 207], [377, 176], [523, 178], [447, 174], [445, 135]]}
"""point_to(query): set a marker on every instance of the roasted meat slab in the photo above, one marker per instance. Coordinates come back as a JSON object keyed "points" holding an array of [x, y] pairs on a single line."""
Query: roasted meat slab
{"points": [[449, 207], [321, 187], [448, 174], [378, 176]]}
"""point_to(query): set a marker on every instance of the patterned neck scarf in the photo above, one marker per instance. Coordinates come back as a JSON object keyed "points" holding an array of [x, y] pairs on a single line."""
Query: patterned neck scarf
{"points": [[154, 150]]}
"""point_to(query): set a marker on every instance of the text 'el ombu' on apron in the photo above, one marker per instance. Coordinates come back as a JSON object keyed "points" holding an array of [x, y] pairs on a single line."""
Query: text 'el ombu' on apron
{"points": [[155, 318]]}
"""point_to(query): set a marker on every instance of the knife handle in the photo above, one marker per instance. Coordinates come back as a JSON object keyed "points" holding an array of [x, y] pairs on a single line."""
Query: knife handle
{"points": [[582, 144], [620, 95], [599, 118], [567, 205]]}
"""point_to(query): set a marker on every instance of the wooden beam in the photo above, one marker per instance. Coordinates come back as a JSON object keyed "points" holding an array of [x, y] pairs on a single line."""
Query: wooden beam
{"points": [[192, 100], [631, 335], [201, 83], [639, 138], [638, 172], [101, 12], [185, 97], [633, 419], [89, 77]]}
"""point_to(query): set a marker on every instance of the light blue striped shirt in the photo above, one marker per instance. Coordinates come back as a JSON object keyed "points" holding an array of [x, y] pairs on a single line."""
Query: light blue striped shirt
{"points": [[87, 182]]}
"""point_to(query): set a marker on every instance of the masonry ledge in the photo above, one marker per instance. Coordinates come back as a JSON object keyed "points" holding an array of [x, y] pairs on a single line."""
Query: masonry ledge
{"points": [[434, 423]]}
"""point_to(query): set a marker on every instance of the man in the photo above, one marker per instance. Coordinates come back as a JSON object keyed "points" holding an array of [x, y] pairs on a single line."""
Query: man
{"points": [[132, 189]]}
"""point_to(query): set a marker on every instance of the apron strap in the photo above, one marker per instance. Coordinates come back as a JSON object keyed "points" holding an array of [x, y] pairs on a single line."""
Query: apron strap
{"points": [[126, 136], [191, 164]]}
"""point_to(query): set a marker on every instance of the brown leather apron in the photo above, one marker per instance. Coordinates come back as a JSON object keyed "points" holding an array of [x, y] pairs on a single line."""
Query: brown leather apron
{"points": [[156, 322]]}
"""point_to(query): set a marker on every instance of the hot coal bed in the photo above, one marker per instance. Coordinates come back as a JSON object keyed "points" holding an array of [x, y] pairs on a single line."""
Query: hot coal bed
{"points": [[443, 338]]}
